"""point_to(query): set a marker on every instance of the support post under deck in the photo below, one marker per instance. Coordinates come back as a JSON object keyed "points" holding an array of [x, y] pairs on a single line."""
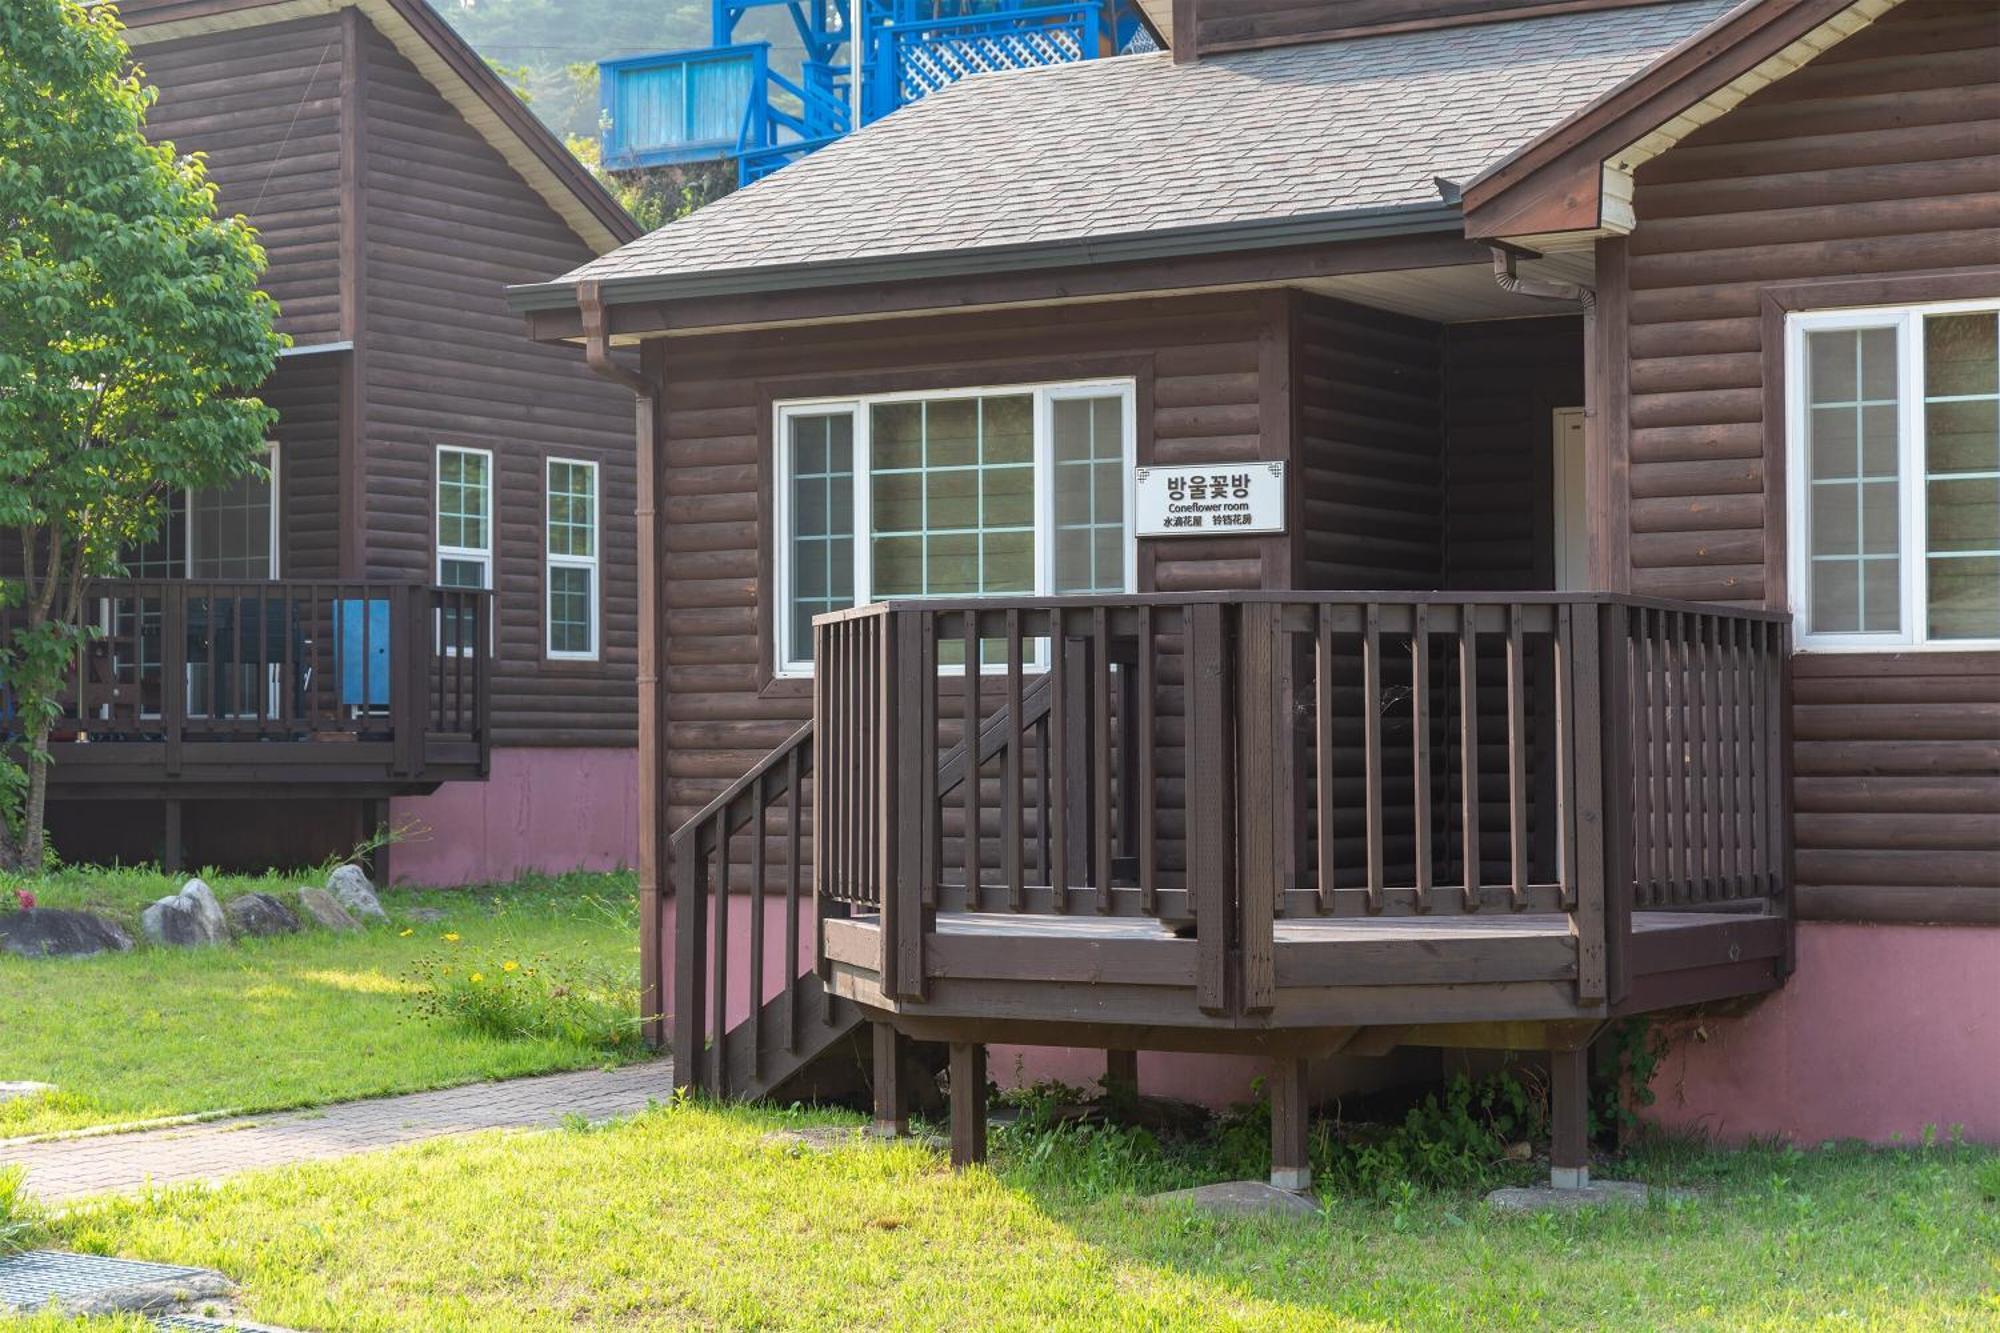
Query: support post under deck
{"points": [[1569, 1118], [381, 834], [170, 854], [892, 1102], [1291, 1163], [968, 1104], [1121, 1074]]}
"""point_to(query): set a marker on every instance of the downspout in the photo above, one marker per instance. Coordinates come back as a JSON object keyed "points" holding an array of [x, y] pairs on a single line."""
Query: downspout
{"points": [[654, 835], [1585, 298]]}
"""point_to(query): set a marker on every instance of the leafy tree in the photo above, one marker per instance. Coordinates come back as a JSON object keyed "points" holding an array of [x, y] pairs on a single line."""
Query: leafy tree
{"points": [[131, 336]]}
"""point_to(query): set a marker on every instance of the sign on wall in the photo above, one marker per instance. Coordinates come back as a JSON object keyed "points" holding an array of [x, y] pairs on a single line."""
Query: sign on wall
{"points": [[1210, 499]]}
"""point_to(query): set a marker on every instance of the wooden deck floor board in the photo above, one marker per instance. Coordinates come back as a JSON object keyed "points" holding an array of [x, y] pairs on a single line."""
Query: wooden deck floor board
{"points": [[1313, 930]]}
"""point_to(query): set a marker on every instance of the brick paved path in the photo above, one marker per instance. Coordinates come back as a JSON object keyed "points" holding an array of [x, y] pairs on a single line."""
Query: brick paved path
{"points": [[60, 1169]]}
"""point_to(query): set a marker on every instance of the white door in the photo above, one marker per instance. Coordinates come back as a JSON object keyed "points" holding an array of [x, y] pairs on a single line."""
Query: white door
{"points": [[1572, 535]]}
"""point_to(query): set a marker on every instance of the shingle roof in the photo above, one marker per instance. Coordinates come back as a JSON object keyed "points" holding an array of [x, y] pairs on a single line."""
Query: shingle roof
{"points": [[1138, 144]]}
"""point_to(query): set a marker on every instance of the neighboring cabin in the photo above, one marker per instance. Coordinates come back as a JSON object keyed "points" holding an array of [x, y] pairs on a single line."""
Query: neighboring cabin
{"points": [[422, 443], [1552, 311]]}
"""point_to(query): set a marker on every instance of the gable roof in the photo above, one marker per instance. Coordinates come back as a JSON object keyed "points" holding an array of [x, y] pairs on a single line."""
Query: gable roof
{"points": [[1070, 163], [453, 67], [1573, 182]]}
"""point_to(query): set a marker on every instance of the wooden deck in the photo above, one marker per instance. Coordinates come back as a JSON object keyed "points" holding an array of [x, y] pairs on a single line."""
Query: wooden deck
{"points": [[1130, 982], [1287, 824], [203, 689]]}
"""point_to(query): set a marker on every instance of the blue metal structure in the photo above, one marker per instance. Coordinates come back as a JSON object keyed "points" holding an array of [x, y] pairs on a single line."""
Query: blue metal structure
{"points": [[726, 100]]}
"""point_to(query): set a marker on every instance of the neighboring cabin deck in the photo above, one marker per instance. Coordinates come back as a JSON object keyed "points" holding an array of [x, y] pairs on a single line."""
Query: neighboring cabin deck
{"points": [[202, 689]]}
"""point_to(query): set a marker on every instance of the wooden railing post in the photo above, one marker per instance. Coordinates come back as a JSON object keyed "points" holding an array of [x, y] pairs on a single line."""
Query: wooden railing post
{"points": [[1211, 806], [688, 866], [1783, 879], [1584, 795], [909, 681], [409, 662], [482, 680], [1616, 716], [1263, 829]]}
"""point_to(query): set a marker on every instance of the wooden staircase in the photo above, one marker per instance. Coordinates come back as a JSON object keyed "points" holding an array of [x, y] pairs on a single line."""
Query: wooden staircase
{"points": [[744, 859]]}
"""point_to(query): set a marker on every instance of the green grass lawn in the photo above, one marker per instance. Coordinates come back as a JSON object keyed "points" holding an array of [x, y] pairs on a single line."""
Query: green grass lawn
{"points": [[287, 1021], [688, 1216]]}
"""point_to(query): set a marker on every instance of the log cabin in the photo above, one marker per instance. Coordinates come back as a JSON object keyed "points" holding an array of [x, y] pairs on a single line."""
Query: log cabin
{"points": [[1384, 528], [422, 617]]}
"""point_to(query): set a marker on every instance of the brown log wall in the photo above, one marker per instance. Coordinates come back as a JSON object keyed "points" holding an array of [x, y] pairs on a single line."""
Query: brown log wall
{"points": [[448, 225], [1369, 389], [1876, 162], [306, 392], [264, 105], [1503, 381]]}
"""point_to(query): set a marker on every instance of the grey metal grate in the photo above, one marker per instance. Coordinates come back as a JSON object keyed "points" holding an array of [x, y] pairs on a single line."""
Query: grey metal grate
{"points": [[30, 1280], [201, 1323]]}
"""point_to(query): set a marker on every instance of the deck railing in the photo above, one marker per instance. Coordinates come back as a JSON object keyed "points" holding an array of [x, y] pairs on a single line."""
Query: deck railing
{"points": [[176, 661], [1229, 761]]}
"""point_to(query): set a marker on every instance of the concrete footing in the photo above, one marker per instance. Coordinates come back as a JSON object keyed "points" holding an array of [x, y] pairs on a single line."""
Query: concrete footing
{"points": [[1238, 1197], [1591, 1194]]}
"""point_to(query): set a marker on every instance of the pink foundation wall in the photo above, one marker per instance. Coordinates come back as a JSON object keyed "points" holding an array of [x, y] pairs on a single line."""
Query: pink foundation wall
{"points": [[1883, 1031], [541, 809]]}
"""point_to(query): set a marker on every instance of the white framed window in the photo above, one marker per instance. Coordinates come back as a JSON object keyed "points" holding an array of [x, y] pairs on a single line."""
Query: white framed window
{"points": [[1893, 467], [464, 525], [571, 573], [1023, 490]]}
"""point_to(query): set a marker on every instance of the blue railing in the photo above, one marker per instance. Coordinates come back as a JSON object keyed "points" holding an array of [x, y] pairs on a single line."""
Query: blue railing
{"points": [[911, 57], [726, 100]]}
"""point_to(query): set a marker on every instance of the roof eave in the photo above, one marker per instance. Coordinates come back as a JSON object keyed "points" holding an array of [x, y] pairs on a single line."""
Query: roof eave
{"points": [[1166, 243], [1575, 177]]}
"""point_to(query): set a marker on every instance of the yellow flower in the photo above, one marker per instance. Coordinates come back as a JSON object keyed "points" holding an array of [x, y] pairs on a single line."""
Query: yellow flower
{"points": [[477, 977], [406, 933], [510, 966], [451, 937]]}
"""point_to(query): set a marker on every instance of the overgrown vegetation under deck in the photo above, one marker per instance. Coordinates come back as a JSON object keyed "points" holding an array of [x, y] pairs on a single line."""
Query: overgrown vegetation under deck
{"points": [[694, 1215]]}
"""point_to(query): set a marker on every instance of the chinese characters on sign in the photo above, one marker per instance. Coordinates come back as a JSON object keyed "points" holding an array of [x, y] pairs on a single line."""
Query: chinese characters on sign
{"points": [[1218, 498]]}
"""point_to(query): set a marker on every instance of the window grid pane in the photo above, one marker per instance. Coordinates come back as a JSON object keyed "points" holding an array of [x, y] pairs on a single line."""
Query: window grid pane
{"points": [[1854, 484], [953, 482], [465, 500], [1089, 482], [822, 512], [1961, 407], [572, 510], [231, 529], [571, 614]]}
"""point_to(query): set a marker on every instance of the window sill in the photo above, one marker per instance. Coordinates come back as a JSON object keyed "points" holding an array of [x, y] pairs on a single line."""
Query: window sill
{"points": [[1879, 649]]}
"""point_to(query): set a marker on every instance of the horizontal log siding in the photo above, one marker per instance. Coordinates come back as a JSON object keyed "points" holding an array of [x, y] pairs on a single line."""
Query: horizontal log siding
{"points": [[1897, 785], [448, 226], [1504, 379], [264, 105], [1369, 387], [306, 393], [1876, 160], [1369, 391], [1196, 360]]}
